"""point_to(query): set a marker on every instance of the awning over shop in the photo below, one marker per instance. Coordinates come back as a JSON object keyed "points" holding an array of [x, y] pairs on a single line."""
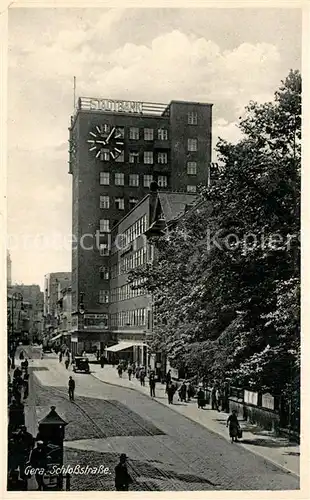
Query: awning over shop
{"points": [[121, 346], [60, 335]]}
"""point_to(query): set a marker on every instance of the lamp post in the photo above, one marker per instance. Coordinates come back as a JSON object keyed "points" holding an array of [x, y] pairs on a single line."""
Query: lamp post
{"points": [[12, 341]]}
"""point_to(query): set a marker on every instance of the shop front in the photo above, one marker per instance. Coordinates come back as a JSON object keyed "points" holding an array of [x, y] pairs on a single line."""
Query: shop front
{"points": [[90, 333]]}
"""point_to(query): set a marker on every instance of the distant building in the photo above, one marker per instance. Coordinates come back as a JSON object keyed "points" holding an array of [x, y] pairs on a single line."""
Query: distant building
{"points": [[32, 304], [52, 282], [8, 269], [117, 148]]}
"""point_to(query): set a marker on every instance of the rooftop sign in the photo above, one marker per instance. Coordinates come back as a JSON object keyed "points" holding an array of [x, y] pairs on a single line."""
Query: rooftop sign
{"points": [[119, 106]]}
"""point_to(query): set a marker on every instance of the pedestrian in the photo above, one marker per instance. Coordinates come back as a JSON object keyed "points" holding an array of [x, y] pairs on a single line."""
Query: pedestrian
{"points": [[122, 477], [170, 391], [190, 391], [213, 398], [142, 376], [67, 361], [152, 382], [120, 371], [60, 357], [17, 372], [71, 387], [26, 384], [102, 360], [21, 356], [217, 399], [137, 372], [234, 427], [38, 460], [182, 392], [129, 371], [201, 400], [168, 377], [25, 444]]}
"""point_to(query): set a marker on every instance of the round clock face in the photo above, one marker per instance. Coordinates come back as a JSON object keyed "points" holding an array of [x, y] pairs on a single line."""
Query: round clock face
{"points": [[107, 141]]}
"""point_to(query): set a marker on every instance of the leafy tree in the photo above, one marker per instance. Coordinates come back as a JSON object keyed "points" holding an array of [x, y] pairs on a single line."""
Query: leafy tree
{"points": [[225, 283]]}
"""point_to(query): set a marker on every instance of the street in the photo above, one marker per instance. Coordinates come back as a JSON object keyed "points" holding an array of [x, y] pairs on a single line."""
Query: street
{"points": [[166, 451]]}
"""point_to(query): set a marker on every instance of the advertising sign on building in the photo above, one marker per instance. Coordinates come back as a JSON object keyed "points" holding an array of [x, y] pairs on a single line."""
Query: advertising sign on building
{"points": [[250, 397], [94, 321], [268, 401]]}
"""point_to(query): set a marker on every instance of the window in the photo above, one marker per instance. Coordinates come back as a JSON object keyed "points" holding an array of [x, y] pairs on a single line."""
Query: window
{"points": [[104, 273], [133, 157], [104, 202], [104, 225], [162, 158], [120, 157], [105, 178], [148, 157], [162, 181], [192, 118], [103, 249], [105, 155], [192, 144], [134, 133], [133, 202], [119, 179], [120, 203], [191, 189], [147, 179], [133, 180], [191, 168], [103, 296], [148, 134], [162, 134]]}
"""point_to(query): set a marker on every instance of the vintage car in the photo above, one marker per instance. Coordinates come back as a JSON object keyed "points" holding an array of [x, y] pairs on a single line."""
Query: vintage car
{"points": [[81, 364]]}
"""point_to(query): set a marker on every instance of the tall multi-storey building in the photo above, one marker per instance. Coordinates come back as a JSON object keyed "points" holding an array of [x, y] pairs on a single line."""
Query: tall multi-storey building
{"points": [[117, 148], [52, 282]]}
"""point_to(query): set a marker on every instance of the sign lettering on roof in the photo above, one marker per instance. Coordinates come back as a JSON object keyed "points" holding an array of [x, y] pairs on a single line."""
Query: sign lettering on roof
{"points": [[112, 105]]}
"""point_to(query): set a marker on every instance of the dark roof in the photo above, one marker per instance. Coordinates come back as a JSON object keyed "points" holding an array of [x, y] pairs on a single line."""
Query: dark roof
{"points": [[174, 205], [52, 418]]}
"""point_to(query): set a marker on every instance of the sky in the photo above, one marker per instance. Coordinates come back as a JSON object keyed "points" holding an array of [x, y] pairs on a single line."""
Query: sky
{"points": [[223, 56]]}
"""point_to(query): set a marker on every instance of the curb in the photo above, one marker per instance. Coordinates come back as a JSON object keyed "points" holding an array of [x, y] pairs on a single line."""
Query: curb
{"points": [[201, 425]]}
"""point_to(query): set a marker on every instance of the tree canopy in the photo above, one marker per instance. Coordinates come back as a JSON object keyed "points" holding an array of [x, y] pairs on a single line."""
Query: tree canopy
{"points": [[225, 282]]}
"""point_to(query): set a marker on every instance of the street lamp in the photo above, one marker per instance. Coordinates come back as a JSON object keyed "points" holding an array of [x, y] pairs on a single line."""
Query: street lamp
{"points": [[12, 341]]}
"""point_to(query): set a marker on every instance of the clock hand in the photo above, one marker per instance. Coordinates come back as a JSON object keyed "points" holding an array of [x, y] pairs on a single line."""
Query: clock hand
{"points": [[101, 142], [110, 134]]}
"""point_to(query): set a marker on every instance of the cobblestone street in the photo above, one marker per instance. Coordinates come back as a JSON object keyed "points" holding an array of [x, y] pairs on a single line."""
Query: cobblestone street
{"points": [[166, 450]]}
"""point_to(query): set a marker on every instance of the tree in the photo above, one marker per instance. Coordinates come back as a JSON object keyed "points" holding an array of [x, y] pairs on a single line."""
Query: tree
{"points": [[233, 262]]}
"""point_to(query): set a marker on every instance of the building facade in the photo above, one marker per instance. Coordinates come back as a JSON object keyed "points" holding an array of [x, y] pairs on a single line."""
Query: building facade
{"points": [[52, 282], [117, 148], [32, 300], [130, 307]]}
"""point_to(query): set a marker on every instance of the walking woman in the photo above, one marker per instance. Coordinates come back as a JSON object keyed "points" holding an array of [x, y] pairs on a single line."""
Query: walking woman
{"points": [[234, 427]]}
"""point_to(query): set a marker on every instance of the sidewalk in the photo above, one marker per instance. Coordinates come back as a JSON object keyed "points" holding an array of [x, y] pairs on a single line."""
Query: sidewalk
{"points": [[275, 449]]}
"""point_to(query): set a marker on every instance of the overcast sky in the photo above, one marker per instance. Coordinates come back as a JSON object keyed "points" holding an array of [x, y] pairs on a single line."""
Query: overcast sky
{"points": [[224, 56]]}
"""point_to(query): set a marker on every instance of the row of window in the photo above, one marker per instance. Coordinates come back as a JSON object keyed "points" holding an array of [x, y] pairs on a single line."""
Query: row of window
{"points": [[119, 179], [135, 317], [134, 157], [119, 202], [148, 156], [138, 228], [136, 259], [126, 292]]}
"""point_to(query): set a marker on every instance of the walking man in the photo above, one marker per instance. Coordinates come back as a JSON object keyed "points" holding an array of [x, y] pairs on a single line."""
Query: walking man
{"points": [[129, 372], [122, 477], [102, 360], [142, 376], [71, 386], [152, 383]]}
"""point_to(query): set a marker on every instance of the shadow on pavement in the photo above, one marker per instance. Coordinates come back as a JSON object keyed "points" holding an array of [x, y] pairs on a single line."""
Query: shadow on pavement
{"points": [[268, 443]]}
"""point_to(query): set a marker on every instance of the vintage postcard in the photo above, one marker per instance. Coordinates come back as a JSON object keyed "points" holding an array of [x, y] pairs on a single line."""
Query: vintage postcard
{"points": [[153, 248]]}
